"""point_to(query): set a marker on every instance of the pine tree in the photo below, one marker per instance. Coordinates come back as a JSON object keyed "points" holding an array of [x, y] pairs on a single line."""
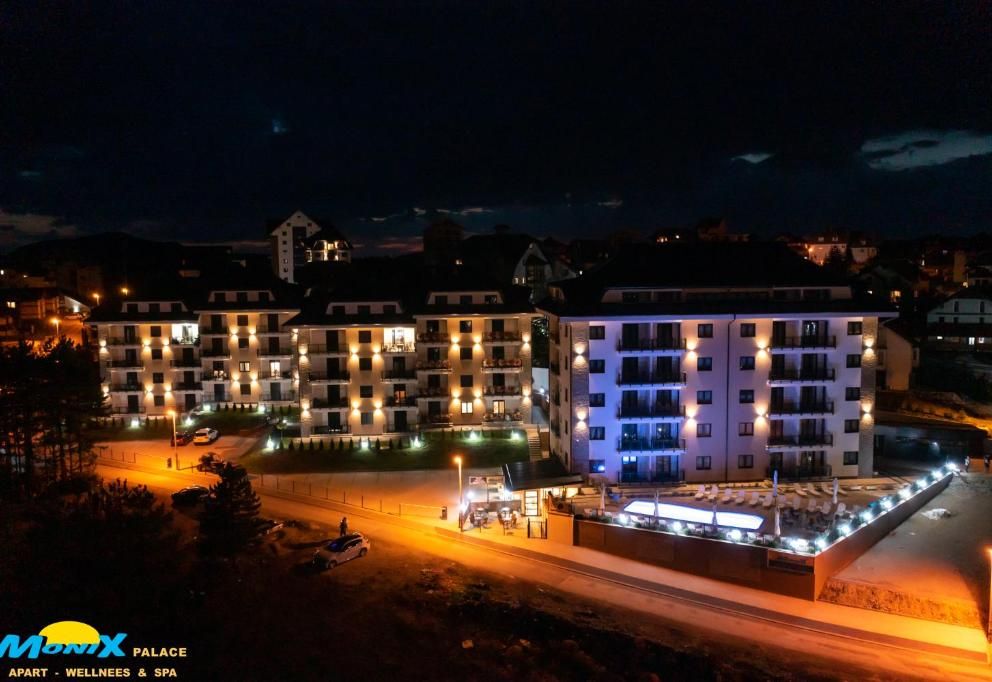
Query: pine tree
{"points": [[229, 520]]}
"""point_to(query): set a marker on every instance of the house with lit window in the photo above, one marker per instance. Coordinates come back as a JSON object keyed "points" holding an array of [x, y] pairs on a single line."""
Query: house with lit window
{"points": [[963, 321], [300, 240], [689, 363]]}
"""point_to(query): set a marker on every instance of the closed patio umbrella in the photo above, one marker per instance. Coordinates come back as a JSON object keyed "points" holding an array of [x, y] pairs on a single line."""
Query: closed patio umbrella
{"points": [[778, 523], [835, 491], [714, 514], [656, 494], [775, 483], [602, 499]]}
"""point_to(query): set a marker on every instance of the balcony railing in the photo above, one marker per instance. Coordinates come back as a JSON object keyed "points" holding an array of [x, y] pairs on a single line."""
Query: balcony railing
{"points": [[800, 375], [340, 376], [405, 347], [406, 401], [651, 379], [395, 428], [185, 341], [266, 329], [502, 365], [284, 374], [434, 338], [321, 349], [503, 417], [330, 429], [436, 419], [812, 407], [127, 410], [432, 392], [127, 364], [188, 386], [399, 375], [801, 441], [283, 397], [214, 331], [796, 472], [651, 476], [329, 403], [192, 363], [218, 398], [650, 411], [500, 390], [281, 351], [127, 388], [215, 375], [804, 341], [640, 345], [501, 337], [649, 444], [120, 341], [434, 366], [215, 352]]}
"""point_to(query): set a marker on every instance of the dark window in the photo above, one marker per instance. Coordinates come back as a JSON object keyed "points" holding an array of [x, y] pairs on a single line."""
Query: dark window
{"points": [[465, 326], [245, 389], [220, 297], [177, 307], [441, 300], [156, 331], [159, 400], [704, 331], [364, 336], [367, 418], [853, 328], [597, 433], [850, 457], [747, 395], [364, 364], [158, 378], [747, 362], [133, 308], [156, 353], [597, 466], [242, 320], [153, 308], [704, 463], [704, 430], [629, 297], [597, 399], [745, 429], [854, 360], [389, 309], [597, 366], [243, 343], [747, 330], [365, 310], [851, 425], [852, 393], [704, 397], [465, 352], [490, 299], [597, 332], [337, 310], [745, 461], [365, 391], [242, 297], [263, 296], [704, 364], [465, 299], [465, 381]]}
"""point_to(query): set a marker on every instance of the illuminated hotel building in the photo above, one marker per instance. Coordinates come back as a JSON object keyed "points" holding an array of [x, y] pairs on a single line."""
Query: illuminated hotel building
{"points": [[707, 363]]}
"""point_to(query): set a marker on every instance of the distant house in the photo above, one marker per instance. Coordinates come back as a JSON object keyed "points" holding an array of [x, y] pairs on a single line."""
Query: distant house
{"points": [[299, 240], [898, 356], [963, 321], [536, 268], [820, 247]]}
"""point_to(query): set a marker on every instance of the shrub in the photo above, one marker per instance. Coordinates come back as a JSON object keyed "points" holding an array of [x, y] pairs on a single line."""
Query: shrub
{"points": [[378, 446], [291, 448], [320, 444], [311, 445]]}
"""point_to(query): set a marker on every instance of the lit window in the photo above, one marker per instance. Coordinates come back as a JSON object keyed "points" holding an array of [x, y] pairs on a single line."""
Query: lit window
{"points": [[467, 407]]}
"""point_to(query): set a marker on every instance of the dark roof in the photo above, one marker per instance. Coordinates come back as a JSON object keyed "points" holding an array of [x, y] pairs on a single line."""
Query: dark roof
{"points": [[541, 473], [739, 307], [328, 233], [111, 312]]}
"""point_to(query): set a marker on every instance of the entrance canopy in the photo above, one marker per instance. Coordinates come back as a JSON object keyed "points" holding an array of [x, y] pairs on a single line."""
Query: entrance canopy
{"points": [[542, 473]]}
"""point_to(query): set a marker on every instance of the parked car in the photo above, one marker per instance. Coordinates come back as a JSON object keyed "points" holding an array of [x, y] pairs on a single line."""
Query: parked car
{"points": [[268, 526], [189, 496], [205, 436], [342, 549], [181, 438]]}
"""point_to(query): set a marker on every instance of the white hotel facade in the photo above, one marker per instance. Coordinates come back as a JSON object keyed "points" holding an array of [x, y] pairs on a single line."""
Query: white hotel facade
{"points": [[663, 369]]}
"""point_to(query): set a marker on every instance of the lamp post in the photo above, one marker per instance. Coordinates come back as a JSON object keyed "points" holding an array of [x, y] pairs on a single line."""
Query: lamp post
{"points": [[458, 461], [175, 443], [96, 297], [56, 322]]}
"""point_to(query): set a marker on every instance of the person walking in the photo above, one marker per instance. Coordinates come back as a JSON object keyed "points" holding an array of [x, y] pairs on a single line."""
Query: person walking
{"points": [[343, 527], [987, 464], [967, 463]]}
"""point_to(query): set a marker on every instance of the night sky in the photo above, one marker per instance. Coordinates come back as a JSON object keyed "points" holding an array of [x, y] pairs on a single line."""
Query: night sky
{"points": [[201, 120]]}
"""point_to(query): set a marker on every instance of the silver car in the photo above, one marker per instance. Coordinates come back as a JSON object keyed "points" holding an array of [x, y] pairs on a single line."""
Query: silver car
{"points": [[205, 436], [342, 549]]}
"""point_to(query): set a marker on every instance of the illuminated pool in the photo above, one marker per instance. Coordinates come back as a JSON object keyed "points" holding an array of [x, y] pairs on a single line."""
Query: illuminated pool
{"points": [[695, 515]]}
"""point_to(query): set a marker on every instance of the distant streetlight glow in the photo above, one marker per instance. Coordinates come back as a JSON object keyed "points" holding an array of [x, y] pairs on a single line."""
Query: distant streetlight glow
{"points": [[56, 321]]}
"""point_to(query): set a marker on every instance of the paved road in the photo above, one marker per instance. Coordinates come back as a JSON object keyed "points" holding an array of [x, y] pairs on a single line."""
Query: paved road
{"points": [[687, 614]]}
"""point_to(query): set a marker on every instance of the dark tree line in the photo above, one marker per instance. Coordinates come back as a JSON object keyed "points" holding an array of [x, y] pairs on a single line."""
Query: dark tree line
{"points": [[49, 399]]}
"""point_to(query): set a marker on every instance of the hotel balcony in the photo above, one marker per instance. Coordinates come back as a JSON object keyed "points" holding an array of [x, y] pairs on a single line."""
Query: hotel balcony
{"points": [[500, 391], [215, 375], [188, 386], [284, 397], [221, 398], [800, 376], [501, 337], [119, 341], [185, 341], [515, 417], [434, 366], [127, 388], [276, 376], [796, 472], [654, 411], [126, 410], [215, 331], [266, 330], [395, 428], [651, 476], [399, 375], [192, 363], [130, 364], [652, 379], [330, 429], [280, 352], [490, 366], [330, 403], [330, 351], [809, 440], [433, 392], [650, 445], [407, 347], [394, 403], [437, 419], [215, 353], [790, 343], [651, 345], [434, 338], [340, 377], [800, 409]]}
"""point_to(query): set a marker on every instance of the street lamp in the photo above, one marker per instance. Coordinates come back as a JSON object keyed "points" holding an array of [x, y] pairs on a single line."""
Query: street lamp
{"points": [[96, 297], [458, 461], [175, 443], [56, 322], [125, 291]]}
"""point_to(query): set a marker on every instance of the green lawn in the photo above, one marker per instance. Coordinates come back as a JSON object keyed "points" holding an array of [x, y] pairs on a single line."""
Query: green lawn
{"points": [[228, 423], [435, 453]]}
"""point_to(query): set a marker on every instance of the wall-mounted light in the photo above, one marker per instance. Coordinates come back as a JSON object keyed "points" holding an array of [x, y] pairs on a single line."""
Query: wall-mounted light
{"points": [[165, 343], [146, 343], [303, 351], [103, 343], [525, 338], [580, 348], [866, 408], [251, 331]]}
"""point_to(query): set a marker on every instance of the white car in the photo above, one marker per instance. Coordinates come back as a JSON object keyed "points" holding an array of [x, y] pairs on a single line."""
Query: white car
{"points": [[205, 436], [342, 549]]}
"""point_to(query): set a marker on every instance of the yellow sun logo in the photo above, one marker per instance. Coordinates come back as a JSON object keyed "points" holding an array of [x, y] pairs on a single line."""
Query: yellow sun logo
{"points": [[70, 632]]}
